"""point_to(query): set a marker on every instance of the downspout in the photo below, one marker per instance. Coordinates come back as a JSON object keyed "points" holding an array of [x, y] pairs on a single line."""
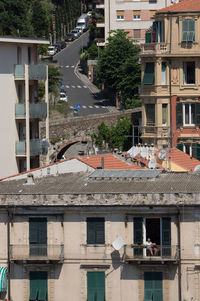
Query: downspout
{"points": [[170, 96], [8, 254], [179, 257]]}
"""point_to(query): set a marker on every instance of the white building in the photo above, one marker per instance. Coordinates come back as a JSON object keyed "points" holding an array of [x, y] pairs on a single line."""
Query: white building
{"points": [[134, 17], [20, 110]]}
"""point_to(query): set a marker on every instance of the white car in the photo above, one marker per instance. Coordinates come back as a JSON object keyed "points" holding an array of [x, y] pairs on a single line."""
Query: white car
{"points": [[89, 13], [51, 50], [63, 96], [76, 33]]}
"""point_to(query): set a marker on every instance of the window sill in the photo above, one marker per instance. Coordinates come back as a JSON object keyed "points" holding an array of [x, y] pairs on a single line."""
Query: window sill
{"points": [[94, 245], [188, 86]]}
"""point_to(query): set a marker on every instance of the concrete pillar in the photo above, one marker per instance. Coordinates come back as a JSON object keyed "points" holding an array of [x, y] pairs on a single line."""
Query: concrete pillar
{"points": [[47, 119], [27, 117]]}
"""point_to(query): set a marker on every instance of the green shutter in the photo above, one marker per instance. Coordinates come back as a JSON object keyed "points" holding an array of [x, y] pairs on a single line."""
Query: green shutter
{"points": [[197, 151], [138, 235], [148, 37], [191, 27], [38, 286], [162, 35], [42, 295], [184, 30], [95, 286], [155, 29], [197, 113], [180, 146], [153, 287], [34, 287], [179, 114], [166, 236], [38, 236], [33, 231], [149, 77], [95, 231]]}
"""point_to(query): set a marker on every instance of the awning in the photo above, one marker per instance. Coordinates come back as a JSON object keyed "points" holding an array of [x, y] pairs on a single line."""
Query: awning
{"points": [[3, 279]]}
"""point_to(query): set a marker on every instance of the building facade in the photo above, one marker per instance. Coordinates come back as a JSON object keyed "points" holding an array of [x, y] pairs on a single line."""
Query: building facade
{"points": [[58, 232], [20, 108], [134, 17], [171, 78]]}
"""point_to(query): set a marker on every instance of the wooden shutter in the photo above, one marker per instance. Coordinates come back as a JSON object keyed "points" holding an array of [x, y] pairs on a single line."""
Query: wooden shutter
{"points": [[38, 286], [197, 151], [95, 286], [149, 76], [197, 113], [95, 231], [153, 287], [34, 286], [138, 235], [38, 236], [179, 114], [42, 295], [191, 28], [184, 30], [33, 231], [148, 37], [166, 236], [148, 286], [179, 146]]}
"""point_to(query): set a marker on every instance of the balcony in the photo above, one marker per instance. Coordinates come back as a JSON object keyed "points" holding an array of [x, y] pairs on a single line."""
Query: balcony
{"points": [[155, 48], [53, 253], [140, 254], [36, 72], [36, 148], [158, 131], [100, 23], [36, 110]]}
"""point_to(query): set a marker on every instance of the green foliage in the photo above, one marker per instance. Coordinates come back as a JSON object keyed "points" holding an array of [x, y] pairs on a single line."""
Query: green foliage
{"points": [[116, 136], [118, 67], [41, 90], [61, 107], [132, 103], [40, 18], [42, 49], [54, 77]]}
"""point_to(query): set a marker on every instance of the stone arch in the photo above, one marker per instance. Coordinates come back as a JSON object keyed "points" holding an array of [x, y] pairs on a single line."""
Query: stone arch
{"points": [[66, 144]]}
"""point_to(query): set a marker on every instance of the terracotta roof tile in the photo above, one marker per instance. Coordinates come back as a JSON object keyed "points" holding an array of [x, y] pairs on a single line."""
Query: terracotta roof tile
{"points": [[183, 160], [182, 6], [110, 162]]}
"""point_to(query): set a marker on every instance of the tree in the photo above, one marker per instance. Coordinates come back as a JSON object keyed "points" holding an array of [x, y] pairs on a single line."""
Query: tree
{"points": [[40, 19], [54, 77], [116, 136], [118, 68]]}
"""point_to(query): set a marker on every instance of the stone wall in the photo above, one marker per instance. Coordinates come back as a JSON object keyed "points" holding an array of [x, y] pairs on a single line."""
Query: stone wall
{"points": [[68, 129]]}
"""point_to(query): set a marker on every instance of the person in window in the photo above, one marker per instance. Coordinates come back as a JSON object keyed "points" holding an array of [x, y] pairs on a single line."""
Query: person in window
{"points": [[151, 247]]}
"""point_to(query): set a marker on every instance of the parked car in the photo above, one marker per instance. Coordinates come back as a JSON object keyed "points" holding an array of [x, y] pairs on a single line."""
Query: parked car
{"points": [[51, 50], [69, 37], [57, 46], [61, 44], [76, 33], [63, 96]]}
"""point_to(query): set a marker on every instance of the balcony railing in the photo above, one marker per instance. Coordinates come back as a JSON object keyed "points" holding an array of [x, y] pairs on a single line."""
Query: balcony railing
{"points": [[36, 147], [140, 253], [156, 131], [36, 110], [153, 48], [37, 252], [36, 72]]}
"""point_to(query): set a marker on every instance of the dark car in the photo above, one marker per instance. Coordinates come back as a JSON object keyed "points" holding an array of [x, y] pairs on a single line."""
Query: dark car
{"points": [[69, 37], [61, 44], [58, 47]]}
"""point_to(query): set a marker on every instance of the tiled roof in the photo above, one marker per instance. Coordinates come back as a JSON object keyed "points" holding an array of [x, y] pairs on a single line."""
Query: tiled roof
{"points": [[110, 162], [183, 160], [182, 6]]}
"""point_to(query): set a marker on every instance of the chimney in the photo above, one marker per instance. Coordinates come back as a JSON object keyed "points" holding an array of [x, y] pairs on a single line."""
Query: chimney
{"points": [[29, 179]]}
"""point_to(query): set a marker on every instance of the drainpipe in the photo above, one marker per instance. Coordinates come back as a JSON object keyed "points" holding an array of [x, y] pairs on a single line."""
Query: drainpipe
{"points": [[170, 94], [8, 254], [179, 257]]}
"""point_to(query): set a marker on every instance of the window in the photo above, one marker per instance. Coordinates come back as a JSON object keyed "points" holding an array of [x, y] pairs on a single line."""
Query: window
{"points": [[192, 149], [149, 76], [189, 73], [164, 73], [38, 286], [19, 55], [158, 34], [120, 14], [189, 113], [150, 114], [157, 229], [95, 230], [153, 286], [188, 30], [38, 236], [137, 33], [96, 286], [136, 15], [164, 114]]}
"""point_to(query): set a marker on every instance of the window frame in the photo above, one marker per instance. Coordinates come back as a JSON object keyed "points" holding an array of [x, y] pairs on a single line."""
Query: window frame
{"points": [[120, 17], [190, 115], [148, 123], [95, 230], [136, 16], [185, 75], [187, 33], [166, 106]]}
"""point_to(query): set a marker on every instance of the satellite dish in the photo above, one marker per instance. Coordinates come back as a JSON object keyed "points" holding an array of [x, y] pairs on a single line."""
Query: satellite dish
{"points": [[144, 152], [152, 164], [118, 243], [197, 168], [162, 155]]}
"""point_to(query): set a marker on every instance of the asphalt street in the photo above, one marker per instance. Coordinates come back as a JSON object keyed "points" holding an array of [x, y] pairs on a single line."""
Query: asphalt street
{"points": [[77, 90]]}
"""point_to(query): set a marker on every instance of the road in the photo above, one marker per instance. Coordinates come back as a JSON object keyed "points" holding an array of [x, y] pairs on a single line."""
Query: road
{"points": [[78, 91]]}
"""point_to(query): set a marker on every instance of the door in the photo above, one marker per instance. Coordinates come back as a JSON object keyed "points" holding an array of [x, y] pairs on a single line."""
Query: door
{"points": [[153, 286], [38, 236]]}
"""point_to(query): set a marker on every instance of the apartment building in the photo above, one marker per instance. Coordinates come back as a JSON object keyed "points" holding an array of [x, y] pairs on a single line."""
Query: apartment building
{"points": [[21, 110], [171, 78], [132, 16], [58, 233]]}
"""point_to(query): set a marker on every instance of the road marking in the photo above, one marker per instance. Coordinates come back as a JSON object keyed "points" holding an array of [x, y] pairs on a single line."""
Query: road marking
{"points": [[96, 107], [61, 66], [67, 87], [72, 66], [85, 87], [67, 66], [79, 87], [84, 107], [90, 107], [103, 107], [73, 87]]}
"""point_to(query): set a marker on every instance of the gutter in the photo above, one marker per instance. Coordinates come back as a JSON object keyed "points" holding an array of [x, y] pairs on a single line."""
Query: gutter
{"points": [[8, 254]]}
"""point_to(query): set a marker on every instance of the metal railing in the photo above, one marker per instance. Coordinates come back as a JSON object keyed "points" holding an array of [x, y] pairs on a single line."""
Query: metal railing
{"points": [[37, 110], [36, 147], [36, 252], [36, 72], [135, 252]]}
